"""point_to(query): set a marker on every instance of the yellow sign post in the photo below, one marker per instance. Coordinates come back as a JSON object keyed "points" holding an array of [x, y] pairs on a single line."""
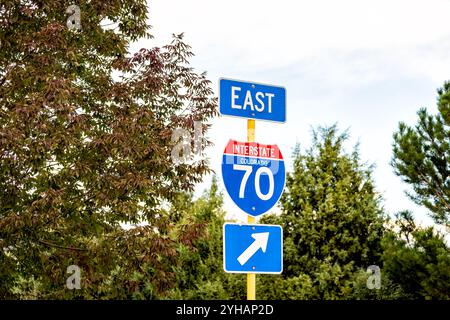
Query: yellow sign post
{"points": [[251, 277]]}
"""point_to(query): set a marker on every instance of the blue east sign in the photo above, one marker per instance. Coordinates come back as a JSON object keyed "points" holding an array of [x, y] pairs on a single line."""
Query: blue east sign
{"points": [[252, 100]]}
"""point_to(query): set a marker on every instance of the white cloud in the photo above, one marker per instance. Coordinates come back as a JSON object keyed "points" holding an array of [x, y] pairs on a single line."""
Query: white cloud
{"points": [[259, 32], [364, 64]]}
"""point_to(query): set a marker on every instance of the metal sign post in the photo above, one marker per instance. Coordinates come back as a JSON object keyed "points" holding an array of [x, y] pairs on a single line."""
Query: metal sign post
{"points": [[251, 277]]}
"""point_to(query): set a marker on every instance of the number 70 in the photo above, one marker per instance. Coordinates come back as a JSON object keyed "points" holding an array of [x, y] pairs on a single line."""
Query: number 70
{"points": [[248, 170]]}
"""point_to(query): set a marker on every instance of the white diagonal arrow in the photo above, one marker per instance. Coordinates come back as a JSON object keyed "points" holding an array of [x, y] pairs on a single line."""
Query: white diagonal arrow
{"points": [[261, 240]]}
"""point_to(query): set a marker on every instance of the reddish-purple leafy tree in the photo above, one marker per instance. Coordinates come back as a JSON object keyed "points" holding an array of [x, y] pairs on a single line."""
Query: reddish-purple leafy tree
{"points": [[85, 146]]}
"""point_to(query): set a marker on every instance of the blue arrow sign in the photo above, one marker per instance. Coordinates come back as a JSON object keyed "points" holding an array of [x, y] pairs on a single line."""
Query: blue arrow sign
{"points": [[254, 175], [252, 100], [252, 248]]}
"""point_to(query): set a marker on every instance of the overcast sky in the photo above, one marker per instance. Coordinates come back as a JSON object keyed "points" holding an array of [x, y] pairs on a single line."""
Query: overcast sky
{"points": [[365, 65]]}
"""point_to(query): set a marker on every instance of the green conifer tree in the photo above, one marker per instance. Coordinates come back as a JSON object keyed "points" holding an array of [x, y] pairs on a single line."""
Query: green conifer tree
{"points": [[332, 221], [421, 156]]}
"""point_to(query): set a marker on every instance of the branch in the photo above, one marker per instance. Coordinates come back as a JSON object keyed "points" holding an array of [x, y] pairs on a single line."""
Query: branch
{"points": [[60, 247], [436, 189]]}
